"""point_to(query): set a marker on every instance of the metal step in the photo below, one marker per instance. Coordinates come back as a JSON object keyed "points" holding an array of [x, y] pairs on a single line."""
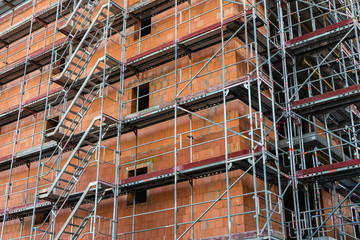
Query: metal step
{"points": [[76, 113], [71, 120], [81, 14], [89, 44], [72, 71], [82, 150], [79, 57], [85, 51], [87, 90], [71, 173], [76, 166], [94, 37], [79, 105], [84, 99], [100, 68], [93, 135], [103, 15], [74, 225], [66, 29], [100, 78], [71, 233], [84, 209], [92, 84], [79, 158], [88, 201], [77, 64], [69, 128]]}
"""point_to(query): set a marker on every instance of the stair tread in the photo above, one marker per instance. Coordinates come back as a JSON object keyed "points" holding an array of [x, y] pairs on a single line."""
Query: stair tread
{"points": [[75, 166], [74, 225], [84, 209], [71, 120]]}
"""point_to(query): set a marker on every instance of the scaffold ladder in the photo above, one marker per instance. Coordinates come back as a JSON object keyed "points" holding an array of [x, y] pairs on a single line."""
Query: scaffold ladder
{"points": [[79, 19], [75, 166], [87, 43], [75, 113], [88, 90], [84, 209]]}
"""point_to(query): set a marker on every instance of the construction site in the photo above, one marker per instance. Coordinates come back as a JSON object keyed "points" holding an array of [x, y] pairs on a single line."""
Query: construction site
{"points": [[179, 119]]}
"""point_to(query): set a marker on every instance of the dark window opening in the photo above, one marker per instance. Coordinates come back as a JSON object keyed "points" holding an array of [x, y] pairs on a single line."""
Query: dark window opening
{"points": [[62, 64], [50, 125], [145, 27], [140, 195], [141, 99], [139, 171], [59, 66], [144, 97]]}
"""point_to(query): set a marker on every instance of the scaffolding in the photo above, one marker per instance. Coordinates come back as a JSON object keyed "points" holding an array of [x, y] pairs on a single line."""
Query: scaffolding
{"points": [[180, 119]]}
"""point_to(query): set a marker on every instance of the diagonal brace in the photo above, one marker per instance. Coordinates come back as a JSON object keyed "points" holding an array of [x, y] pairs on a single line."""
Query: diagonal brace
{"points": [[336, 208], [219, 198]]}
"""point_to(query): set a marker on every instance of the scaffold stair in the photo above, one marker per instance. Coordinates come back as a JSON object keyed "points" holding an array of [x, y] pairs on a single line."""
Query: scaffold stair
{"points": [[75, 166], [79, 18], [87, 42], [75, 113], [78, 161], [88, 90], [83, 210]]}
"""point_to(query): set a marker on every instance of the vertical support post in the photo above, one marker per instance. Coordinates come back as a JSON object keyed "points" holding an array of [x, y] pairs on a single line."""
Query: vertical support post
{"points": [[22, 92], [134, 193], [288, 120], [118, 143], [175, 121], [101, 128], [224, 93], [33, 231]]}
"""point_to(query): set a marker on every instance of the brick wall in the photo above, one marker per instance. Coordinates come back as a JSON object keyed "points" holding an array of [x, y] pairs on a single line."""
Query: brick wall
{"points": [[156, 146]]}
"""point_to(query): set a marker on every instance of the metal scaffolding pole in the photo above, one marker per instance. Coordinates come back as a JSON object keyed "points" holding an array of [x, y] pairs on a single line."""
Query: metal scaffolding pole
{"points": [[16, 134], [287, 75]]}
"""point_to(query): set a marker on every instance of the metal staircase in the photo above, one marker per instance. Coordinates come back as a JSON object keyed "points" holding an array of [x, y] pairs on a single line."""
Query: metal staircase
{"points": [[88, 33], [74, 28], [78, 161], [88, 89], [84, 209], [74, 168], [79, 19]]}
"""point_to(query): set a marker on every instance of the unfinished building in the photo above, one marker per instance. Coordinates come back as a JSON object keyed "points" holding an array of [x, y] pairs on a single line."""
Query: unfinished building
{"points": [[174, 119]]}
